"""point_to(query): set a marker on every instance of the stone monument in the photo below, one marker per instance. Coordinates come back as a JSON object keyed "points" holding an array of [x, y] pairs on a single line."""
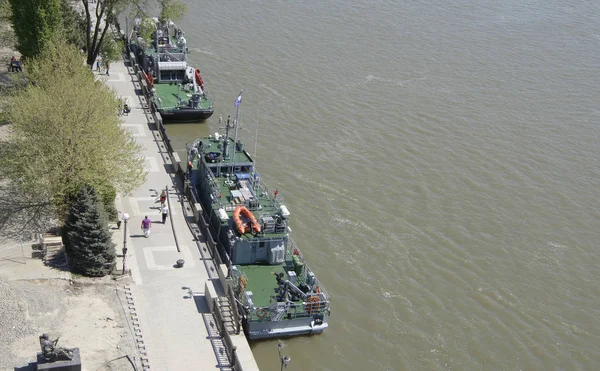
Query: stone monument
{"points": [[57, 358]]}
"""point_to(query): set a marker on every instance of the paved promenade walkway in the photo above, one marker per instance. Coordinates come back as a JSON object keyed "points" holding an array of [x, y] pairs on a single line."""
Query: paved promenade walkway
{"points": [[168, 307]]}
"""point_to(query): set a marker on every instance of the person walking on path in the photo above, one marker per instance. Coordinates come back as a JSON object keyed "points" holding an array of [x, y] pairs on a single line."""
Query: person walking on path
{"points": [[98, 65], [165, 212], [107, 67], [163, 197], [146, 224]]}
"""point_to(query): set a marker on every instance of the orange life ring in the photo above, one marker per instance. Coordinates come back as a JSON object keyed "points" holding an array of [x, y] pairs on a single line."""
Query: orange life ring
{"points": [[313, 304], [242, 227], [261, 312]]}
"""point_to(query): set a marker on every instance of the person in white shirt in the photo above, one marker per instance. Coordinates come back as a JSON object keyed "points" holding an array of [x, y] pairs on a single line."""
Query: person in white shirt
{"points": [[165, 212]]}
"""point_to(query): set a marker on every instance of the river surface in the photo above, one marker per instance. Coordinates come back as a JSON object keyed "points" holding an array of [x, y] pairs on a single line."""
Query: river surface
{"points": [[441, 162]]}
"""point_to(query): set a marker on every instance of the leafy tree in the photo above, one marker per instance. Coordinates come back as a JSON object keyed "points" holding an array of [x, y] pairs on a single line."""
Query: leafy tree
{"points": [[89, 243], [5, 11], [65, 133], [35, 23], [74, 25], [146, 28], [111, 50], [99, 18], [171, 10]]}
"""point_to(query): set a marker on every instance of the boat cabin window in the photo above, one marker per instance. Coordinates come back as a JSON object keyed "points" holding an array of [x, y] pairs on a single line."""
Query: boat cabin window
{"points": [[221, 170], [177, 75], [163, 41]]}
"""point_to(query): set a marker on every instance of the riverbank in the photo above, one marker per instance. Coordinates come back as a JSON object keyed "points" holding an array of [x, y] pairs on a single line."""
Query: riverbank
{"points": [[84, 312]]}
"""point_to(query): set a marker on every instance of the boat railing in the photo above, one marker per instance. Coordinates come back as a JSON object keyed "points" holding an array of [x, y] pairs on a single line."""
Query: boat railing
{"points": [[171, 50], [294, 250], [262, 189], [290, 310], [276, 311]]}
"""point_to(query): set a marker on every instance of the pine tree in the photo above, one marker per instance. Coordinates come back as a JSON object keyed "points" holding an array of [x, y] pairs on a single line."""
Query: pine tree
{"points": [[35, 23], [89, 246]]}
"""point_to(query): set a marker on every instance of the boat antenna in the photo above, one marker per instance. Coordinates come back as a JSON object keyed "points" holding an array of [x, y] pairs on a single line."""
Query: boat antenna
{"points": [[236, 103], [224, 148], [256, 135]]}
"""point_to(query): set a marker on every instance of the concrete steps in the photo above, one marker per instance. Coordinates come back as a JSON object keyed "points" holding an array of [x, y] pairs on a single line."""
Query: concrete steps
{"points": [[228, 316], [53, 251]]}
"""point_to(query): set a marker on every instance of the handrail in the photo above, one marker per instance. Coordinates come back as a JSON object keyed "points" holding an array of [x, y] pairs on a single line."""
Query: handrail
{"points": [[232, 355], [235, 313]]}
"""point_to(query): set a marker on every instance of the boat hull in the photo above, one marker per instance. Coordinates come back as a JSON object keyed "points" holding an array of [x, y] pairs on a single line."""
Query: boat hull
{"points": [[184, 115], [278, 329]]}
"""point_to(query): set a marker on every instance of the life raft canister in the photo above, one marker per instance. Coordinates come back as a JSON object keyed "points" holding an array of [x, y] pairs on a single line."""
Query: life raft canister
{"points": [[199, 80]]}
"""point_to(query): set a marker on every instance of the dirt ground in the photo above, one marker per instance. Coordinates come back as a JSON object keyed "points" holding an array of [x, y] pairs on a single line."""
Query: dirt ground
{"points": [[84, 312]]}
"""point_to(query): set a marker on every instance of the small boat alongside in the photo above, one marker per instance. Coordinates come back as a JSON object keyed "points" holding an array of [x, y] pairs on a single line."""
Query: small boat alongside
{"points": [[177, 89]]}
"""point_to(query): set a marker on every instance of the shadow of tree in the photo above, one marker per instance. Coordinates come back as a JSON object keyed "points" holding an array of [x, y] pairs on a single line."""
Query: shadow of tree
{"points": [[22, 218]]}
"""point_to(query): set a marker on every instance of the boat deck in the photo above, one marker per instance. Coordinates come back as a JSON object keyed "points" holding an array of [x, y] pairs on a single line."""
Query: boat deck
{"points": [[262, 282], [231, 196], [171, 94]]}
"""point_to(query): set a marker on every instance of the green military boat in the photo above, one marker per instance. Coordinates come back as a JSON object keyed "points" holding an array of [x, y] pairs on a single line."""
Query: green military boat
{"points": [[276, 292], [177, 90]]}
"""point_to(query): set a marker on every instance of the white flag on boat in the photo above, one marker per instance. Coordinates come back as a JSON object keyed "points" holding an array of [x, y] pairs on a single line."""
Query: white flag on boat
{"points": [[238, 100]]}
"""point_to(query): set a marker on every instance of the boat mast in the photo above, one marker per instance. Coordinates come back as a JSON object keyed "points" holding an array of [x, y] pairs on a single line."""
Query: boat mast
{"points": [[226, 143], [256, 141], [236, 103]]}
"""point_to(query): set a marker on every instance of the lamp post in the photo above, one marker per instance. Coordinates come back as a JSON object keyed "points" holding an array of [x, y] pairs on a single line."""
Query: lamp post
{"points": [[125, 219], [285, 360]]}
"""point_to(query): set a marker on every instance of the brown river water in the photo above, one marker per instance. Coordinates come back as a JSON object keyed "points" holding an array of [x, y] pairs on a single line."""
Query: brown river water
{"points": [[441, 164]]}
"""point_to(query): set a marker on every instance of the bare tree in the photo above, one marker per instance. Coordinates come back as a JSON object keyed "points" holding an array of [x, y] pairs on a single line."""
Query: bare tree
{"points": [[99, 17]]}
